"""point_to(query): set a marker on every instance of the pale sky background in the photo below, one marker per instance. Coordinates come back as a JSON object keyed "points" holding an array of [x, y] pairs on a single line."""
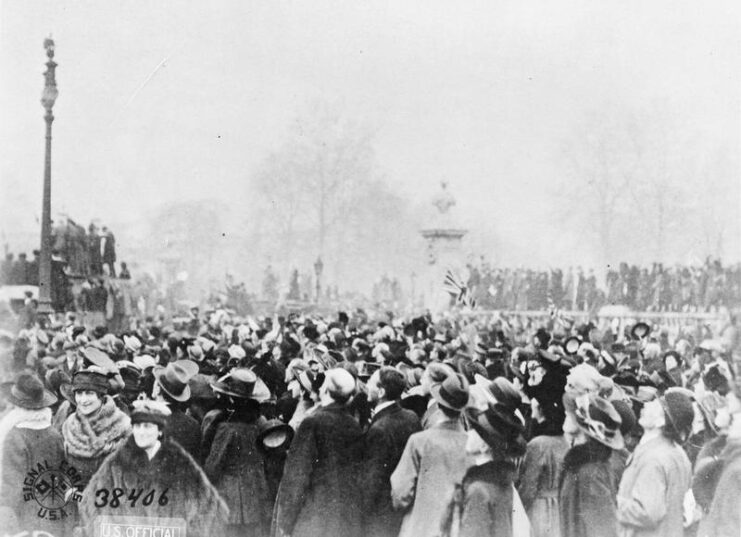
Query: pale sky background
{"points": [[483, 94]]}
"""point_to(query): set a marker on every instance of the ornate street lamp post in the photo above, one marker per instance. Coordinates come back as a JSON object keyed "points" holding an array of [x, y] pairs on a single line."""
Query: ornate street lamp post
{"points": [[48, 97]]}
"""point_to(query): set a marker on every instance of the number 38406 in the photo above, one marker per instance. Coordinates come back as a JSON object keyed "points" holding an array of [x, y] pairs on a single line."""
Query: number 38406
{"points": [[114, 498]]}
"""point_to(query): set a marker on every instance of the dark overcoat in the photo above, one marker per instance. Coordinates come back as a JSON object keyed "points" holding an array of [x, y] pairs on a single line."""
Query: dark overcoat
{"points": [[236, 468], [171, 473], [385, 439], [487, 499], [587, 493], [320, 493], [187, 432]]}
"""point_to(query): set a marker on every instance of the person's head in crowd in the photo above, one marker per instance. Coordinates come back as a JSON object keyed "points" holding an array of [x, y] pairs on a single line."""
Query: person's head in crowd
{"points": [[338, 387], [149, 420], [386, 384], [583, 379], [496, 431], [672, 360], [27, 392], [434, 373], [452, 395], [54, 379], [671, 415], [417, 355], [534, 370], [715, 381], [90, 387], [131, 375], [172, 382], [469, 369], [629, 428], [597, 426], [309, 384]]}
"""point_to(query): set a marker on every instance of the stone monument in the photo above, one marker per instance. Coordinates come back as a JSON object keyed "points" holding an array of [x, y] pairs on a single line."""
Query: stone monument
{"points": [[443, 235]]}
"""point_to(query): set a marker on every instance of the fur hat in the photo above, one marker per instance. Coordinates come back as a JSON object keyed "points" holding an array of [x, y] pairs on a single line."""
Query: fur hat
{"points": [[146, 411], [91, 379]]}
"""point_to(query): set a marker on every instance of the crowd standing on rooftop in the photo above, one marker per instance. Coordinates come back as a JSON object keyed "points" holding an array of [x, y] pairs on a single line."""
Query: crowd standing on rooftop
{"points": [[357, 425]]}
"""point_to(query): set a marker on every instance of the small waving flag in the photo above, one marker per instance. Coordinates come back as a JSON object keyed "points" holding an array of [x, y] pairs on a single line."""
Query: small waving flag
{"points": [[455, 287]]}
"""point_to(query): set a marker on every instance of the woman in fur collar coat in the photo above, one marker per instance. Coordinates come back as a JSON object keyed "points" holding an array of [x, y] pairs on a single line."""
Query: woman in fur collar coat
{"points": [[587, 491], [156, 478], [97, 427]]}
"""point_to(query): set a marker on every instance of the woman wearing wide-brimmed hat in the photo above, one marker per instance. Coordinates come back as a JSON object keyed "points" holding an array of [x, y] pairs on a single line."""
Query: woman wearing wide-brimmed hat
{"points": [[159, 479], [485, 502], [235, 465], [587, 492], [27, 439]]}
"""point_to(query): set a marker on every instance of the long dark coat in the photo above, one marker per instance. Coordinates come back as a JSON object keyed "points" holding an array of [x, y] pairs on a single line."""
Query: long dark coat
{"points": [[187, 432], [387, 435], [486, 500], [319, 494], [587, 493], [236, 468], [171, 472]]}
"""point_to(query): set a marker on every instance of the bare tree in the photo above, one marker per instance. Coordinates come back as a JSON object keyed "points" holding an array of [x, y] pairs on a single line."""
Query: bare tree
{"points": [[325, 195]]}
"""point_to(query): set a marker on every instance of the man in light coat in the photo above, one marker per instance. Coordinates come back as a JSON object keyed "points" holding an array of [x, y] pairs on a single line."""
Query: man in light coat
{"points": [[433, 464], [658, 475]]}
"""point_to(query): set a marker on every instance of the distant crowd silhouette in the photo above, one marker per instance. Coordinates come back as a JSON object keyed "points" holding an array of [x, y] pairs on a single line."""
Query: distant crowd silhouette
{"points": [[659, 288]]}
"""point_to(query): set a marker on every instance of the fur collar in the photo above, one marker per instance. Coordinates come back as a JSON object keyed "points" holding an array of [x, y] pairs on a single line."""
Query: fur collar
{"points": [[499, 472], [169, 466], [97, 434], [587, 453]]}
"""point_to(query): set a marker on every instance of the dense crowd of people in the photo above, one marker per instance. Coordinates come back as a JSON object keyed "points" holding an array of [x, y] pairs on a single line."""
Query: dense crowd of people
{"points": [[660, 288], [354, 426], [76, 253]]}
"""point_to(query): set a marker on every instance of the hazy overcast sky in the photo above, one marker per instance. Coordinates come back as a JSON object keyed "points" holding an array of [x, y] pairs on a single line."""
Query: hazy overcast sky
{"points": [[484, 94]]}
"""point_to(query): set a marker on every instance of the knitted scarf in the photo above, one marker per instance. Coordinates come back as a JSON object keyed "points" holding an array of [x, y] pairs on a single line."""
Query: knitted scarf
{"points": [[97, 434]]}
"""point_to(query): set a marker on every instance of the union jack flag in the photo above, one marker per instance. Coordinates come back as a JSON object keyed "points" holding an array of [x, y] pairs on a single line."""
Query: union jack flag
{"points": [[457, 288]]}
